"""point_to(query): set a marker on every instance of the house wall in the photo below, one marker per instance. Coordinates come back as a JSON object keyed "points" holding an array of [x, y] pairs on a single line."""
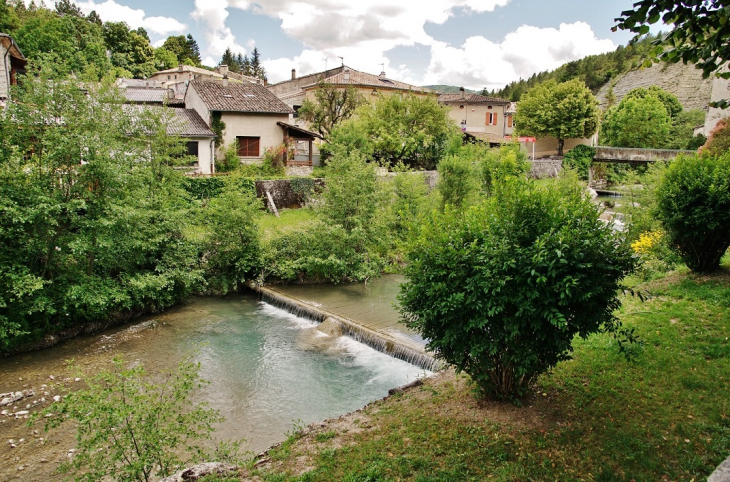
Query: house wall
{"points": [[193, 101], [475, 116], [205, 154], [252, 125], [5, 74], [548, 146]]}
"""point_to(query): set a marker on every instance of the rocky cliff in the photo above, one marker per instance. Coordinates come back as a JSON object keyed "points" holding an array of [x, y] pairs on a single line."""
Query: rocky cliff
{"points": [[684, 81]]}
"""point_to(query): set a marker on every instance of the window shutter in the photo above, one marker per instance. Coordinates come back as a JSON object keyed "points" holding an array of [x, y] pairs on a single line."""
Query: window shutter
{"points": [[495, 119], [509, 121], [489, 118]]}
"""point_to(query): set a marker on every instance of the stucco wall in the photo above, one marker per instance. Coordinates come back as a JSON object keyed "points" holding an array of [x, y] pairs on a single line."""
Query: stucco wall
{"points": [[476, 117], [253, 125], [193, 101], [5, 71], [205, 155]]}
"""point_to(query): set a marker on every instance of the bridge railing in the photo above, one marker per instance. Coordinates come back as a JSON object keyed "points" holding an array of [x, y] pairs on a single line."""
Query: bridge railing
{"points": [[632, 154]]}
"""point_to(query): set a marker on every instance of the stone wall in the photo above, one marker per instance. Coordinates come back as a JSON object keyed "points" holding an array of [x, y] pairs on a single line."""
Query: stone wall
{"points": [[545, 168], [282, 192]]}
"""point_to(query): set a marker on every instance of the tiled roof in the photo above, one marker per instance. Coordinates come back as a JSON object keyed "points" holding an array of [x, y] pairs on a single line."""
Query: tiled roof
{"points": [[356, 78], [146, 95], [184, 123], [470, 99], [237, 97], [189, 68]]}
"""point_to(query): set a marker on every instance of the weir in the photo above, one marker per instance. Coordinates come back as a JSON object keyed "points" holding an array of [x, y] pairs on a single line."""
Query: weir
{"points": [[381, 342]]}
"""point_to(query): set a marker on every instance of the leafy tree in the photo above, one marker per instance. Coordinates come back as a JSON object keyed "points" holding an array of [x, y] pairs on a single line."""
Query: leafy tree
{"points": [[185, 48], [670, 101], [9, 20], [130, 428], [65, 7], [580, 159], [414, 131], [637, 122], [497, 165], [164, 59], [698, 36], [458, 181], [562, 111], [719, 141], [693, 204], [130, 50], [501, 291], [331, 106], [681, 134]]}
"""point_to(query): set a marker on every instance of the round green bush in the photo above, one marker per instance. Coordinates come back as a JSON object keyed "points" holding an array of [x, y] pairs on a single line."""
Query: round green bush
{"points": [[693, 204], [579, 159], [501, 291]]}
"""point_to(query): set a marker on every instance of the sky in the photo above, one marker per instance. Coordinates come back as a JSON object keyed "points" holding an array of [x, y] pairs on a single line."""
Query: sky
{"points": [[469, 43]]}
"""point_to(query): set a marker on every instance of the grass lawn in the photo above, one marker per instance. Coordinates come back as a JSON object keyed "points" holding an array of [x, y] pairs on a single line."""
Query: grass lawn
{"points": [[289, 219], [665, 415]]}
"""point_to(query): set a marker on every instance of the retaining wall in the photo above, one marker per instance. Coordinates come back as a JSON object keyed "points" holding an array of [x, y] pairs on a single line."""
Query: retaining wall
{"points": [[282, 192], [545, 168]]}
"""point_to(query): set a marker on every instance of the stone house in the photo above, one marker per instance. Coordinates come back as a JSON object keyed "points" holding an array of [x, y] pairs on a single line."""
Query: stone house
{"points": [[487, 118], [250, 112], [13, 64]]}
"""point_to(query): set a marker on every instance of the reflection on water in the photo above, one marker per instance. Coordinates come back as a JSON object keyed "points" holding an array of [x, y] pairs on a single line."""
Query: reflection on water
{"points": [[267, 368]]}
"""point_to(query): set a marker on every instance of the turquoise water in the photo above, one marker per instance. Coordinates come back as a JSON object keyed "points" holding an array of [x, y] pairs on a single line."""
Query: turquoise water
{"points": [[267, 368]]}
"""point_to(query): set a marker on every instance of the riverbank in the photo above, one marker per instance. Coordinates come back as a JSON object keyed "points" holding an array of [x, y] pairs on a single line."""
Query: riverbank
{"points": [[665, 415]]}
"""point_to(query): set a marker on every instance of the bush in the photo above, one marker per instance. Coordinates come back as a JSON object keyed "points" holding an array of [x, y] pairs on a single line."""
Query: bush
{"points": [[693, 203], [458, 181], [579, 159], [203, 187], [230, 161], [719, 141], [502, 290], [500, 164], [303, 187], [132, 429]]}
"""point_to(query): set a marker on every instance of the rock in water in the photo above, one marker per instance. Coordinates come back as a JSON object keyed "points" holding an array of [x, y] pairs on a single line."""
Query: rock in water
{"points": [[331, 327]]}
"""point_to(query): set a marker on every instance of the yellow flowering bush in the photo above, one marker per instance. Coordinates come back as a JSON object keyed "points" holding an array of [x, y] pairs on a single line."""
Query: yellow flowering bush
{"points": [[647, 242]]}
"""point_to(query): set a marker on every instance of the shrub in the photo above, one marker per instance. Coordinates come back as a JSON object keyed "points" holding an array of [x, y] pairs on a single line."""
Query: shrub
{"points": [[579, 159], [303, 187], [203, 187], [719, 141], [132, 429], [458, 181], [693, 203], [502, 290], [499, 164], [230, 161]]}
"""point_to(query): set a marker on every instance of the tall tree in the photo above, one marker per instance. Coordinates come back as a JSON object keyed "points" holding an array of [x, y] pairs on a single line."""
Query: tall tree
{"points": [[329, 107], [193, 51], [637, 122], [563, 111], [9, 20], [229, 59]]}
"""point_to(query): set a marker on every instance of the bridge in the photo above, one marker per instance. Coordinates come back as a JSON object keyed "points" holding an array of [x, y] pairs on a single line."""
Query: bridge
{"points": [[636, 156]]}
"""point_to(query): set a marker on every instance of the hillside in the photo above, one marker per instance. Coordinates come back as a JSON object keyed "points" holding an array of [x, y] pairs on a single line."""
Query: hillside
{"points": [[684, 81], [447, 89]]}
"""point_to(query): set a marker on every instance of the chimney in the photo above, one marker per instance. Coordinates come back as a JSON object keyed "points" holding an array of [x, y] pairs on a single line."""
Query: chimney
{"points": [[225, 81], [347, 75], [180, 68], [293, 74], [223, 70], [382, 75], [461, 91]]}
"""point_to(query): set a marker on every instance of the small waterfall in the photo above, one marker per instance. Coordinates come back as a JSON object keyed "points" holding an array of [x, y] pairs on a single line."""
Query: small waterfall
{"points": [[366, 336]]}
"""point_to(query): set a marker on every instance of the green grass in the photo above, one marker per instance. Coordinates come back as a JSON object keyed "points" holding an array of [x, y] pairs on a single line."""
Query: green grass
{"points": [[289, 220], [665, 415]]}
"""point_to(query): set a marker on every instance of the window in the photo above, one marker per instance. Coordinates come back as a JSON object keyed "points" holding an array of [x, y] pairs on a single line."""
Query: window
{"points": [[248, 146], [192, 147], [296, 111], [491, 119]]}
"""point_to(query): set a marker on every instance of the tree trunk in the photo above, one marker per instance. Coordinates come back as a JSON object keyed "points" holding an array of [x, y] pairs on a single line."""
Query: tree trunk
{"points": [[561, 143]]}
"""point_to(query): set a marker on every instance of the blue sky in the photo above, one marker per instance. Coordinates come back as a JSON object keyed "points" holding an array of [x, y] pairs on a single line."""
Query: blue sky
{"points": [[474, 43]]}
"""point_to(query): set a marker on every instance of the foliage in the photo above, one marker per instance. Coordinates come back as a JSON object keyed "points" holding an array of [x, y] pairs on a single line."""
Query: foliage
{"points": [[331, 106], [594, 70], [694, 207], [670, 101], [409, 203], [129, 50], [91, 220], [579, 159], [719, 141], [230, 161], [681, 134], [637, 122], [698, 36], [415, 131], [277, 157], [205, 188], [564, 110], [130, 428], [233, 244], [218, 127], [502, 290], [458, 181], [244, 65], [303, 187], [500, 164], [185, 49]]}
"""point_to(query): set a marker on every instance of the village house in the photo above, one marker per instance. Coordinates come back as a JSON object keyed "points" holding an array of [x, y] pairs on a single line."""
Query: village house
{"points": [[13, 65], [183, 74], [486, 118], [251, 115], [293, 92]]}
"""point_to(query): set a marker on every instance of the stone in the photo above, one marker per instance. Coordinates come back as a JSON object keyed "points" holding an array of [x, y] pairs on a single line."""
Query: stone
{"points": [[198, 471], [57, 398], [21, 413], [722, 473]]}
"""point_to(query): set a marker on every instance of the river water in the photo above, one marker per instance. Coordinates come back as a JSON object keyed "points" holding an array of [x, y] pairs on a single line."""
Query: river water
{"points": [[267, 370]]}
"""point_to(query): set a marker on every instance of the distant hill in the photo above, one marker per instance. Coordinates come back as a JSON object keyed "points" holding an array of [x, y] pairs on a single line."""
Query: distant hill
{"points": [[447, 89]]}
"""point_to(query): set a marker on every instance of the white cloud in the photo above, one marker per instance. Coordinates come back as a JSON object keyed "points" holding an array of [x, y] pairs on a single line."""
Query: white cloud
{"points": [[218, 36], [111, 11], [528, 50]]}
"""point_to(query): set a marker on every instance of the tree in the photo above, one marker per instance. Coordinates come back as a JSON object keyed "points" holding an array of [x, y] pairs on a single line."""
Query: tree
{"points": [[698, 36], [8, 18], [502, 290], [670, 101], [409, 129], [562, 111], [693, 204], [331, 106], [681, 134], [130, 428], [230, 60], [192, 50], [164, 59], [637, 122]]}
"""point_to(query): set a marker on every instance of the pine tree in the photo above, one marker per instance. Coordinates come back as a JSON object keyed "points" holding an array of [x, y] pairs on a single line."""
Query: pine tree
{"points": [[193, 51], [229, 59]]}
